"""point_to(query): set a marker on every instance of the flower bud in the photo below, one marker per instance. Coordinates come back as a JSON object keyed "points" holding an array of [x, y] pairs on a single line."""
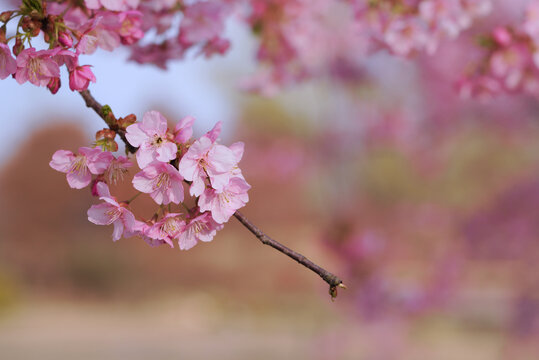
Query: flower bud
{"points": [[3, 35], [105, 134], [53, 85], [51, 24], [18, 47], [502, 36], [107, 144], [65, 39], [5, 16], [124, 122]]}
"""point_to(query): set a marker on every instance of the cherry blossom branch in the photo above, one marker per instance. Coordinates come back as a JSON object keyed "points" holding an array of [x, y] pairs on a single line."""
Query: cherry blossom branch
{"points": [[333, 281]]}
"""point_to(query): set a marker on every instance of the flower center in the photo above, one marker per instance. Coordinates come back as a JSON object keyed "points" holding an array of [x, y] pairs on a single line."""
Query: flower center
{"points": [[34, 69], [224, 197], [199, 227], [158, 140], [79, 166], [114, 213], [115, 172], [171, 227], [161, 182]]}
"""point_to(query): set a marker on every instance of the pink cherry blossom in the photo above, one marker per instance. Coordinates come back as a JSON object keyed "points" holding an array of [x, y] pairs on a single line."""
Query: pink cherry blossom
{"points": [[65, 39], [100, 31], [8, 65], [170, 227], [38, 67], [162, 181], [184, 130], [238, 149], [79, 168], [117, 169], [142, 229], [215, 45], [199, 228], [151, 139], [202, 21], [114, 5], [204, 159], [80, 78], [129, 29], [405, 36], [223, 205], [509, 64], [531, 23], [502, 36], [112, 212]]}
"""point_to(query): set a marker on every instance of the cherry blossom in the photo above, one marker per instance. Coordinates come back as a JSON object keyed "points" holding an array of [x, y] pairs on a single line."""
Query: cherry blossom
{"points": [[203, 21], [111, 212], [8, 65], [184, 129], [117, 169], [204, 159], [198, 228], [79, 168], [224, 204], [80, 78], [38, 67], [151, 137], [162, 181], [115, 5], [170, 227]]}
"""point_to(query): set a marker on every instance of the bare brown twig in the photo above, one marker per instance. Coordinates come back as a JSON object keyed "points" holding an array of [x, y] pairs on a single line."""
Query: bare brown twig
{"points": [[333, 281]]}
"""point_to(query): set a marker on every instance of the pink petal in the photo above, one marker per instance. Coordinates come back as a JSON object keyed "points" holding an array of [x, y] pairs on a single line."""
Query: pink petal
{"points": [[159, 197], [214, 133], [61, 160], [99, 214], [184, 129], [221, 158], [220, 181], [145, 156], [118, 230], [198, 185], [100, 162], [237, 148], [79, 180], [129, 220], [188, 167], [187, 240], [135, 135], [175, 192], [142, 182], [154, 123], [167, 152], [103, 189]]}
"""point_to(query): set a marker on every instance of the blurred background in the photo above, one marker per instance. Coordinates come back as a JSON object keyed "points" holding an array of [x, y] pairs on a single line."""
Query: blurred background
{"points": [[425, 204]]}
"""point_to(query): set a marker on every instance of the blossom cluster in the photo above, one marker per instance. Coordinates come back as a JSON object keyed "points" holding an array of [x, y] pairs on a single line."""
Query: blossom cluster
{"points": [[407, 27], [510, 62], [298, 39], [72, 29], [168, 161], [301, 39]]}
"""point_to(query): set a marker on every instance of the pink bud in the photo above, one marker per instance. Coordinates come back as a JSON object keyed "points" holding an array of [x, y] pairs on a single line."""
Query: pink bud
{"points": [[54, 85], [502, 36], [80, 78], [65, 39]]}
